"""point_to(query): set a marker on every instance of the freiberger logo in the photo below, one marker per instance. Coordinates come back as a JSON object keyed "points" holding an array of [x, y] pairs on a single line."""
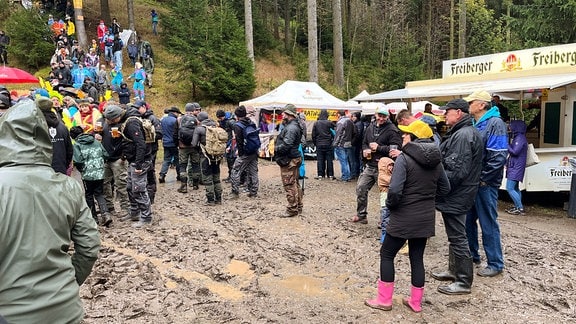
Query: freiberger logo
{"points": [[512, 63]]}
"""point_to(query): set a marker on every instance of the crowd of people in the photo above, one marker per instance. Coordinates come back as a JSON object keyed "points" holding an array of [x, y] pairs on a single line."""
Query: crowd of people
{"points": [[113, 144]]}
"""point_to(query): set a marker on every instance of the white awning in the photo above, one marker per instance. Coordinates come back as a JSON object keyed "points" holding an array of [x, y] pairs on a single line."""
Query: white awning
{"points": [[442, 90]]}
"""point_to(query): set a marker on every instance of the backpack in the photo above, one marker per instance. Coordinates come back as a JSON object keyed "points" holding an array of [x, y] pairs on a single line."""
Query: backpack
{"points": [[216, 139], [251, 138], [186, 129], [149, 129]]}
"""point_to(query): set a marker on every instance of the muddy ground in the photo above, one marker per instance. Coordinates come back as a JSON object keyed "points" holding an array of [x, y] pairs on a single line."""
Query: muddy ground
{"points": [[240, 263]]}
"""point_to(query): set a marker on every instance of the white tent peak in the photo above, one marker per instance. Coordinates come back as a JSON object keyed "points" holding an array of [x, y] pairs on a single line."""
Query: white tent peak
{"points": [[302, 95]]}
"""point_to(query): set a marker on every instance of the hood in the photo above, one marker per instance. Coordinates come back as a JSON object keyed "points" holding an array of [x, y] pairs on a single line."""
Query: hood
{"points": [[383, 164], [85, 139], [208, 122], [323, 114], [131, 111], [51, 118], [518, 127], [492, 112], [424, 152], [25, 139]]}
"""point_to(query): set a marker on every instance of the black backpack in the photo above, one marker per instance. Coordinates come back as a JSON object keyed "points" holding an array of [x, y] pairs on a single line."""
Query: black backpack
{"points": [[186, 130], [251, 138]]}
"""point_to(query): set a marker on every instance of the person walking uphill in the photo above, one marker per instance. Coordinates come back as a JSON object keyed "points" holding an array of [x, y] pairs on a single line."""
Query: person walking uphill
{"points": [[209, 164], [461, 150], [378, 137], [516, 165], [485, 210], [289, 159], [39, 278], [138, 155], [417, 178]]}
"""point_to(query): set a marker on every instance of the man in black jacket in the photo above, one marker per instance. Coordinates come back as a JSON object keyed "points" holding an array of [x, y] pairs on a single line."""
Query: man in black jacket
{"points": [[115, 169], [378, 137], [461, 150], [322, 138], [289, 159], [59, 136], [137, 153], [246, 161]]}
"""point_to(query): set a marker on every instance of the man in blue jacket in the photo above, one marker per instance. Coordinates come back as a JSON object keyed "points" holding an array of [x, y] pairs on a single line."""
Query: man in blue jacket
{"points": [[170, 144], [485, 210]]}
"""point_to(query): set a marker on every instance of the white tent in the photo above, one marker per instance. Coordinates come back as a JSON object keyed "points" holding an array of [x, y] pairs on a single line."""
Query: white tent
{"points": [[305, 95]]}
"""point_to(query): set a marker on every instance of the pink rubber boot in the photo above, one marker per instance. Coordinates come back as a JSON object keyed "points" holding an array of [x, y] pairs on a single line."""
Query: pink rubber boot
{"points": [[384, 299], [415, 299]]}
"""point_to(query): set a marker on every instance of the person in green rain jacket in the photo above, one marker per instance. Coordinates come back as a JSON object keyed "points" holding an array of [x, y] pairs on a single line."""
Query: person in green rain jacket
{"points": [[41, 214]]}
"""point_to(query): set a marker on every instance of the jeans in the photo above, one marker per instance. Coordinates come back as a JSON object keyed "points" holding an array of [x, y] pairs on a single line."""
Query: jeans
{"points": [[355, 161], [108, 53], [365, 182], [170, 154], [513, 188], [485, 211], [118, 59], [390, 248], [343, 155], [455, 226], [245, 164], [325, 161]]}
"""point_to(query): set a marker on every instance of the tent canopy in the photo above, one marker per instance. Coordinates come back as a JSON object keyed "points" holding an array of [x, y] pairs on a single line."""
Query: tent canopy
{"points": [[305, 95], [441, 90]]}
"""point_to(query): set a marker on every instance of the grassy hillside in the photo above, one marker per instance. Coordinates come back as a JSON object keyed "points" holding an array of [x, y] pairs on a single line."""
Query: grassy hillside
{"points": [[163, 94]]}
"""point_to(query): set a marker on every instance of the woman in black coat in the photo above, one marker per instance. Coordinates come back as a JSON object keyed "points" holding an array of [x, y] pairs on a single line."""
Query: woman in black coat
{"points": [[417, 178]]}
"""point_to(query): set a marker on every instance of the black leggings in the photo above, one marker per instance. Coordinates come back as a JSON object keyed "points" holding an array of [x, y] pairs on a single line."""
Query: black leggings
{"points": [[388, 252]]}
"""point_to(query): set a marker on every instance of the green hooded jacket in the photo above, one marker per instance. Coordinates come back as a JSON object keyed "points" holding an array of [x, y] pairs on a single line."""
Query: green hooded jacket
{"points": [[41, 214]]}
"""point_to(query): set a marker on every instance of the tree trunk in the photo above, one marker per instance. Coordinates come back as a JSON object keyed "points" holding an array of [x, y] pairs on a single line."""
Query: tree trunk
{"points": [[451, 29], [276, 21], [105, 11], [462, 30], [312, 42], [338, 49], [248, 29], [80, 27], [287, 33], [130, 5]]}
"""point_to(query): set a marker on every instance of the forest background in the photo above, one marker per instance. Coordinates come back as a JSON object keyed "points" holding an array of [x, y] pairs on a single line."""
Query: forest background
{"points": [[206, 53]]}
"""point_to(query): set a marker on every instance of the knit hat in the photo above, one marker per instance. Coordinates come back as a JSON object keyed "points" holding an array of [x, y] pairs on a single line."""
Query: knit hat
{"points": [[189, 107], [75, 132], [417, 128], [240, 112], [113, 112], [43, 103], [202, 116], [220, 113], [290, 109], [196, 106]]}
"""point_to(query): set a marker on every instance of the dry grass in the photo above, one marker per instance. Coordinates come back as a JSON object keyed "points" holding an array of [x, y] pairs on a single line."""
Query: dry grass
{"points": [[269, 73]]}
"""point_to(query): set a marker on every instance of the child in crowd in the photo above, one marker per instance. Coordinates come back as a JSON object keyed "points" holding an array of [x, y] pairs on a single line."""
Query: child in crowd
{"points": [[89, 155], [385, 167]]}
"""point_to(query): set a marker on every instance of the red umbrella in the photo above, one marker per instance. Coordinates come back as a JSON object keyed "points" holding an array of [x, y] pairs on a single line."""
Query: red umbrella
{"points": [[14, 75]]}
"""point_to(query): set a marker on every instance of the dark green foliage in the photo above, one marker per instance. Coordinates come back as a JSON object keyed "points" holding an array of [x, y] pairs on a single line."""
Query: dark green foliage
{"points": [[30, 43], [210, 42], [545, 22]]}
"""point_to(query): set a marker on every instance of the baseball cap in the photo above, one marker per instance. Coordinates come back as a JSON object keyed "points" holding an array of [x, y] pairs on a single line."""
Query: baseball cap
{"points": [[457, 104], [418, 128], [382, 110], [479, 95]]}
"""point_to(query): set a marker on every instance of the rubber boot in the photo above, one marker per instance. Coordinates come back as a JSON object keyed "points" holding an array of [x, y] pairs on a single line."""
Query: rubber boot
{"points": [[384, 299], [447, 275], [415, 299], [183, 185], [464, 272], [106, 219]]}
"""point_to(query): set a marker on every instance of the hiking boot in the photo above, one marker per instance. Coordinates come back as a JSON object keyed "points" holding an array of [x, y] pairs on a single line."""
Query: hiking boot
{"points": [[488, 272], [142, 224], [195, 187], [183, 187], [106, 220], [358, 219], [253, 195], [209, 203], [319, 177], [129, 217], [162, 178], [234, 194], [288, 214]]}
